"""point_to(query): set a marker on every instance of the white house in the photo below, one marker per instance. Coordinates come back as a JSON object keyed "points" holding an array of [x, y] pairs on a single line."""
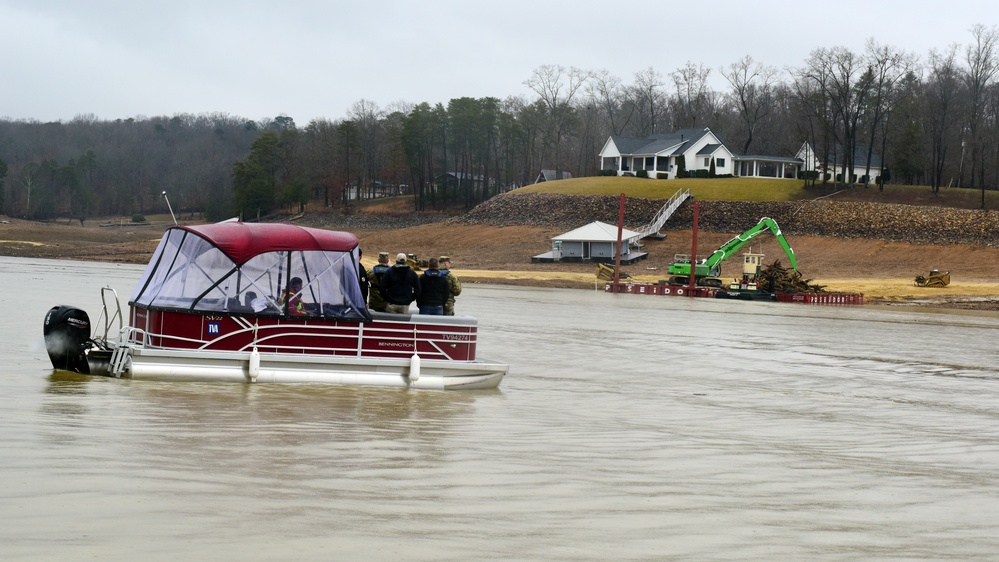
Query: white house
{"points": [[658, 153], [834, 169]]}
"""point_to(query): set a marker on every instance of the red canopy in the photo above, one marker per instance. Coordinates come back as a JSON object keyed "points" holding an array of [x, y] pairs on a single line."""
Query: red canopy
{"points": [[242, 241]]}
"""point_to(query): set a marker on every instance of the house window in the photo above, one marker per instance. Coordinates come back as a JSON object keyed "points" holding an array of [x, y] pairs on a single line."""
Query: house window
{"points": [[662, 163], [707, 162], [650, 162], [720, 163]]}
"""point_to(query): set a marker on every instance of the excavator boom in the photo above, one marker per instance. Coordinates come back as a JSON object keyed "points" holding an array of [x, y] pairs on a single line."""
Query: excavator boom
{"points": [[712, 265]]}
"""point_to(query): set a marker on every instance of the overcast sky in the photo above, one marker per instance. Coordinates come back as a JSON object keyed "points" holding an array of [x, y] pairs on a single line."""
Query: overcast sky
{"points": [[314, 59]]}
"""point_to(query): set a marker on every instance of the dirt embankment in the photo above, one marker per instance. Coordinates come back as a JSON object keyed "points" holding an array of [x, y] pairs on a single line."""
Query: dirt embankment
{"points": [[878, 221], [873, 248]]}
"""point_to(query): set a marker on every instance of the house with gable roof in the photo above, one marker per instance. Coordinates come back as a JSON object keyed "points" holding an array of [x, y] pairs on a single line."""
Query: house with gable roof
{"points": [[658, 153], [832, 165], [595, 242], [550, 175]]}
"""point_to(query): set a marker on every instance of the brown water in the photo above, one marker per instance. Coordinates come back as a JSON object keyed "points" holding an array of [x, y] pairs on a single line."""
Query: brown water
{"points": [[629, 428]]}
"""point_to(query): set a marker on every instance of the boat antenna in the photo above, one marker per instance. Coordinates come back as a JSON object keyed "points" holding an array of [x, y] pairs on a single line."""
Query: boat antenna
{"points": [[171, 209]]}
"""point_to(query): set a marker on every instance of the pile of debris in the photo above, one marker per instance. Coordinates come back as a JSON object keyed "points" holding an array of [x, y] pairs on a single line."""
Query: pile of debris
{"points": [[775, 278]]}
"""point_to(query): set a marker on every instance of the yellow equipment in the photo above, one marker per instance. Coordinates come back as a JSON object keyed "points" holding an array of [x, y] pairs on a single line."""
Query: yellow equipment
{"points": [[606, 272], [934, 279]]}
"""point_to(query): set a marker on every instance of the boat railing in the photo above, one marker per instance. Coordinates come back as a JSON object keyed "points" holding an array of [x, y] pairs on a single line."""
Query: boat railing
{"points": [[132, 336], [437, 337], [667, 210], [108, 317]]}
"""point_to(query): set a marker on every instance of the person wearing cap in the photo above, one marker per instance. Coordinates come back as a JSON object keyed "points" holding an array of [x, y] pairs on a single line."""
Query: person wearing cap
{"points": [[400, 286], [376, 301], [433, 290], [453, 283]]}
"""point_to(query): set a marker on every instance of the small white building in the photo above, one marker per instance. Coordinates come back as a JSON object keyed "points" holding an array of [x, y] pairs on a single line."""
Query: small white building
{"points": [[550, 175], [595, 242]]}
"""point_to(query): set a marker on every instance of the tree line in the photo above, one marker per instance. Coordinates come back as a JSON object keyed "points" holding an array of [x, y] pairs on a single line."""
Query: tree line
{"points": [[934, 121]]}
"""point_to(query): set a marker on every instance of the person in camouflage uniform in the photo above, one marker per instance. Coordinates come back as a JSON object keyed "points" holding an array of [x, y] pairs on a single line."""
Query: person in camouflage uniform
{"points": [[376, 301], [453, 283]]}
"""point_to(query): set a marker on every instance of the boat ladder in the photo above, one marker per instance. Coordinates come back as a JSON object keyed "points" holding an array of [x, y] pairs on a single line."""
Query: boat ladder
{"points": [[108, 317]]}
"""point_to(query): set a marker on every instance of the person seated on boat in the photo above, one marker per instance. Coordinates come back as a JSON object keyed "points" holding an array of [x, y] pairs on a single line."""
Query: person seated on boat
{"points": [[400, 286], [291, 297]]}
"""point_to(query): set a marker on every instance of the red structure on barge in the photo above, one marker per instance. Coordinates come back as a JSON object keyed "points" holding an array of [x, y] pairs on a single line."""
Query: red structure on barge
{"points": [[712, 292]]}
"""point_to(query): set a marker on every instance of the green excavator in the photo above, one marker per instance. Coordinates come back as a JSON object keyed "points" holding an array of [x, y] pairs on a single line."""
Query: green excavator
{"points": [[706, 271]]}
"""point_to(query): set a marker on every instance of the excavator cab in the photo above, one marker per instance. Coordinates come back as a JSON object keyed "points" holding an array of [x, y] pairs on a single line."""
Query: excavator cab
{"points": [[751, 265]]}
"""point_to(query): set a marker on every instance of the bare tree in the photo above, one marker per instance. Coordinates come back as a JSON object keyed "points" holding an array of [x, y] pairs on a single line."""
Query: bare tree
{"points": [[983, 64], [367, 118], [650, 100], [943, 90], [28, 183], [844, 82], [556, 87], [752, 94], [693, 97], [608, 95], [888, 67]]}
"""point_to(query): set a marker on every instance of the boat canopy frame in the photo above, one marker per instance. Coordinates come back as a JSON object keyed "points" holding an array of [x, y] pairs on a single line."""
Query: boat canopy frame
{"points": [[245, 268]]}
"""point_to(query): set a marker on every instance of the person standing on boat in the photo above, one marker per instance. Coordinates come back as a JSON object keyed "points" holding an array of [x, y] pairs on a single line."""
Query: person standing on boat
{"points": [[453, 283], [362, 276], [400, 286], [292, 298], [434, 290], [376, 300]]}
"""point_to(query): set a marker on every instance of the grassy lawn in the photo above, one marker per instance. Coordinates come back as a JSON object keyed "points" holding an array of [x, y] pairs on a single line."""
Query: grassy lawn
{"points": [[723, 189], [759, 189]]}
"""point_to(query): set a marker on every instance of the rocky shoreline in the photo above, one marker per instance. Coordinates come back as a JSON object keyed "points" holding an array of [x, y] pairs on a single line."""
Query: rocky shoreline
{"points": [[850, 220]]}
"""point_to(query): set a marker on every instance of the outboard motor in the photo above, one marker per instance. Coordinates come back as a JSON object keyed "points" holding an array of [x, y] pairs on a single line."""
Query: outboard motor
{"points": [[67, 337]]}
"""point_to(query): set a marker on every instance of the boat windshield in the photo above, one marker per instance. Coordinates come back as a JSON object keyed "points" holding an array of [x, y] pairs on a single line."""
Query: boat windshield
{"points": [[189, 273]]}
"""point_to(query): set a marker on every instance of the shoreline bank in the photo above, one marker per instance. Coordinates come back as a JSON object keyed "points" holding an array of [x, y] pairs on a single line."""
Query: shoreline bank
{"points": [[882, 270]]}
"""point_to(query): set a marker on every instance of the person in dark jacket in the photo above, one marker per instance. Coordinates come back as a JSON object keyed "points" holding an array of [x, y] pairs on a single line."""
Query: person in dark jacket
{"points": [[362, 276], [434, 290], [400, 286]]}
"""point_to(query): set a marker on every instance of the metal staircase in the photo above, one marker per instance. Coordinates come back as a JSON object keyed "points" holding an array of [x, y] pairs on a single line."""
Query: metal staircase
{"points": [[672, 204]]}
